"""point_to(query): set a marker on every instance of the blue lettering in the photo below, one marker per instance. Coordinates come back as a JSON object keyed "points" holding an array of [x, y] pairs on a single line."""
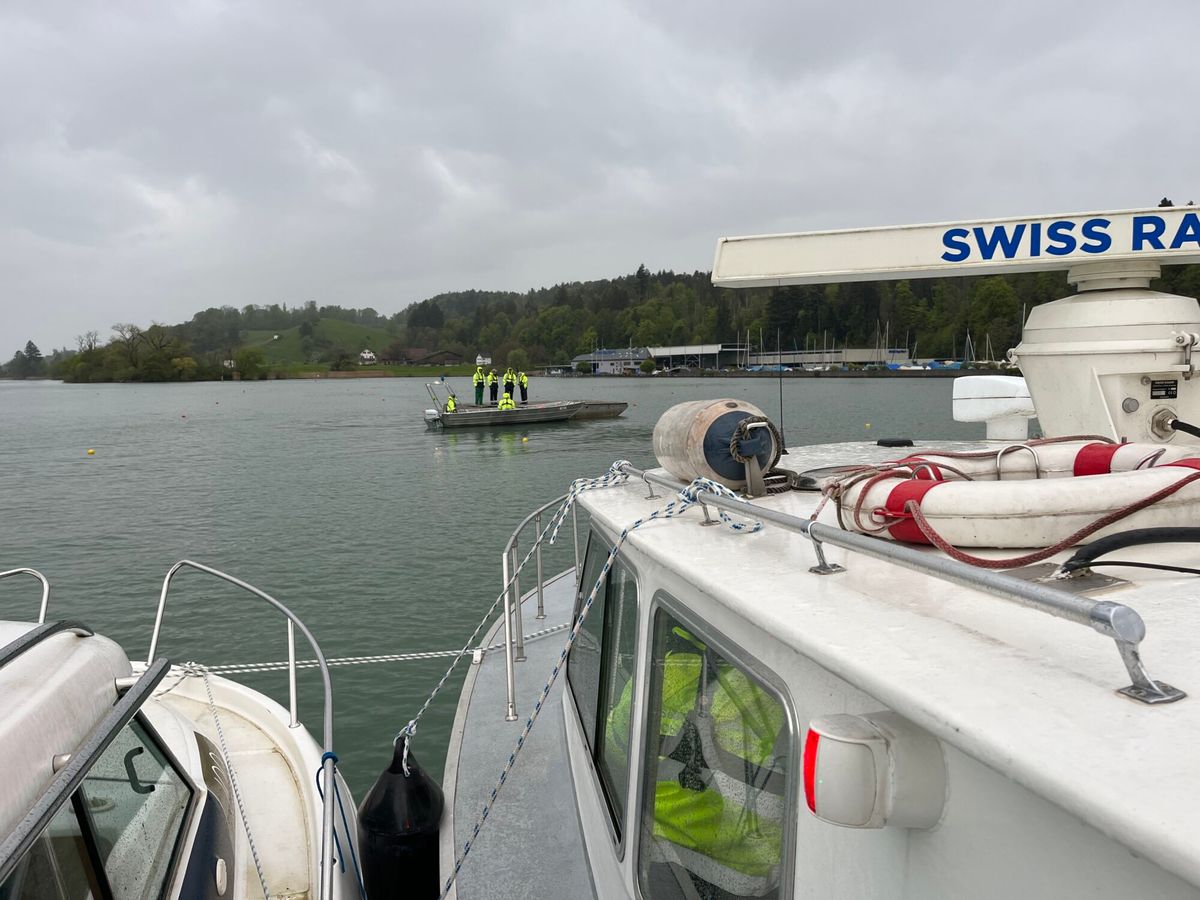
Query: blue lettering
{"points": [[957, 249], [1061, 241], [1189, 231], [1008, 243], [1035, 239], [1148, 229], [1097, 239]]}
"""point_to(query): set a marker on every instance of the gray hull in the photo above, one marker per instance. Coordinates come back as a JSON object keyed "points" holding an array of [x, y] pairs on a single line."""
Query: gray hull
{"points": [[490, 417], [601, 409]]}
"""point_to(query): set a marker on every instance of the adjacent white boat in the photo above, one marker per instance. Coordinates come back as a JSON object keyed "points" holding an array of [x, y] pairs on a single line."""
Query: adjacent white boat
{"points": [[129, 779]]}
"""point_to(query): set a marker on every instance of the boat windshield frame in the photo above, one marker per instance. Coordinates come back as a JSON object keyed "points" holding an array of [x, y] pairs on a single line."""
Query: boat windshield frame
{"points": [[70, 777]]}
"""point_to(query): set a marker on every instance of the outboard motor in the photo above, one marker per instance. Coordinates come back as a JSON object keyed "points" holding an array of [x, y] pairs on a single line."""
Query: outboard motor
{"points": [[730, 441], [398, 831]]}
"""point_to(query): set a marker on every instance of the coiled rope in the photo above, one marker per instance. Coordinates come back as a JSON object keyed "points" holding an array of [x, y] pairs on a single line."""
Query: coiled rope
{"points": [[913, 509], [688, 497]]}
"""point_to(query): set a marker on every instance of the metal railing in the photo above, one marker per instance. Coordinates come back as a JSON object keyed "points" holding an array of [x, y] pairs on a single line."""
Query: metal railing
{"points": [[327, 759], [512, 592], [45, 588], [1114, 620]]}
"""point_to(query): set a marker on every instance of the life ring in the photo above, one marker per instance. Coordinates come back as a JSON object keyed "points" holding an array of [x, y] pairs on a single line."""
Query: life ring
{"points": [[1036, 494]]}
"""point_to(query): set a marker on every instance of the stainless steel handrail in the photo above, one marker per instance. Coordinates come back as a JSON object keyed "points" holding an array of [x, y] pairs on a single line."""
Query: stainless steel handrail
{"points": [[327, 759], [1114, 620], [512, 595], [45, 588]]}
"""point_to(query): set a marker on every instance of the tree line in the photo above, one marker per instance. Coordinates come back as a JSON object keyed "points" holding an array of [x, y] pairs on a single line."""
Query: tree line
{"points": [[928, 318]]}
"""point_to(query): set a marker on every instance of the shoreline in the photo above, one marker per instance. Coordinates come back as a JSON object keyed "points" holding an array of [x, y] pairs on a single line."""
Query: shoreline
{"points": [[774, 376]]}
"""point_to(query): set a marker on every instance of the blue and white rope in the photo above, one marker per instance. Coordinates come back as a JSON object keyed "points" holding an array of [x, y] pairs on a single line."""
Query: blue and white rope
{"points": [[688, 497], [614, 475]]}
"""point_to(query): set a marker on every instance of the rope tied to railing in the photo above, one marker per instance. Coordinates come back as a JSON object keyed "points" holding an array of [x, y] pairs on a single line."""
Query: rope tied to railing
{"points": [[688, 497], [195, 669], [614, 475]]}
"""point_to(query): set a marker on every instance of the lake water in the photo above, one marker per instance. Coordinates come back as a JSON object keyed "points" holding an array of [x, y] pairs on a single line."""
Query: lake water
{"points": [[332, 496]]}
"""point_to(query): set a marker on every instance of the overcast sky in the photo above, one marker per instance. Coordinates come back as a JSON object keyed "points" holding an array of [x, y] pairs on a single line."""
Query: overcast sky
{"points": [[162, 157]]}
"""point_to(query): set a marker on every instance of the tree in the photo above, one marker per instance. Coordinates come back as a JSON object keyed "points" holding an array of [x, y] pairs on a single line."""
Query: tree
{"points": [[87, 341], [519, 359], [128, 342], [249, 362], [185, 367], [34, 364], [648, 365]]}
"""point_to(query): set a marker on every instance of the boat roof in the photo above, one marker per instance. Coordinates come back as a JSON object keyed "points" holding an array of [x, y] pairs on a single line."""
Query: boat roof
{"points": [[1030, 695], [54, 694]]}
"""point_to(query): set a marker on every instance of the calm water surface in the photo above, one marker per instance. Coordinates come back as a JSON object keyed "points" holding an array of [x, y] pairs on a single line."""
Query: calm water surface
{"points": [[333, 497]]}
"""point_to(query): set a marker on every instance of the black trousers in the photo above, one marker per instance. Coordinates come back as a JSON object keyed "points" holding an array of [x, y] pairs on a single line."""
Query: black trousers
{"points": [[524, 394], [494, 388]]}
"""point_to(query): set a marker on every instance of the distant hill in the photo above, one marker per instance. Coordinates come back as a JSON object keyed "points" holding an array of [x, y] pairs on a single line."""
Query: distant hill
{"points": [[294, 349]]}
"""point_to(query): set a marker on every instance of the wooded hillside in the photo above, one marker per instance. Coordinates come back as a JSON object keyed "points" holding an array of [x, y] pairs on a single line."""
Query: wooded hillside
{"points": [[548, 326]]}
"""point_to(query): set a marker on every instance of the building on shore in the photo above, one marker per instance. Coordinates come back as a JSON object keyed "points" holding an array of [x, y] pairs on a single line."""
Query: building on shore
{"points": [[628, 361]]}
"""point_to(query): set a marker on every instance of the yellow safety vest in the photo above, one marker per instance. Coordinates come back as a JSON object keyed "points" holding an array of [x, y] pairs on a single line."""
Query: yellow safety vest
{"points": [[524, 380], [718, 793], [451, 404], [506, 402], [510, 377], [492, 379], [477, 378]]}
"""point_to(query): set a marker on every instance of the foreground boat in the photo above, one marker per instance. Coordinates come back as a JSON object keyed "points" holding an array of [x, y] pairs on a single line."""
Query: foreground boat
{"points": [[144, 779], [777, 705]]}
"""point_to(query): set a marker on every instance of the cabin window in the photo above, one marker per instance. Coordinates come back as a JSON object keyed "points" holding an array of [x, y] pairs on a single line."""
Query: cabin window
{"points": [[137, 804], [54, 868], [714, 807], [601, 671], [121, 826]]}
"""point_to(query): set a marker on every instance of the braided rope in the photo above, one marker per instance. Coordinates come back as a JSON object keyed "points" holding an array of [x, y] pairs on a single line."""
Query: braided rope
{"points": [[193, 668], [688, 497], [914, 509], [614, 475], [283, 665]]}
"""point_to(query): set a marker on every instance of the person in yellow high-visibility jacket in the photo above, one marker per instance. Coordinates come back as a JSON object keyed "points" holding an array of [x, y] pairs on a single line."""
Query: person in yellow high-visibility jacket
{"points": [[451, 403], [478, 379], [506, 402], [719, 793], [510, 381], [523, 382], [493, 384]]}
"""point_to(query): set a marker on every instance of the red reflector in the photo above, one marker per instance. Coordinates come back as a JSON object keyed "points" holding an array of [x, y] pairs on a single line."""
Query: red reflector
{"points": [[810, 768]]}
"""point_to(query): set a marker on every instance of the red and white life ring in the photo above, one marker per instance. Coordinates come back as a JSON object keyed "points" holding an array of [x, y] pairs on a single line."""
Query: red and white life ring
{"points": [[1036, 494]]}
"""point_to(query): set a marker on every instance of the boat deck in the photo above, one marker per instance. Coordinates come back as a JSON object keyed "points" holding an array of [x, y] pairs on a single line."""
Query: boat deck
{"points": [[528, 847]]}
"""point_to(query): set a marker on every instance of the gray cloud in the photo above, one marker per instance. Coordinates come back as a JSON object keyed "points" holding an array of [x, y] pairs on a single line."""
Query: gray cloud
{"points": [[156, 158]]}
